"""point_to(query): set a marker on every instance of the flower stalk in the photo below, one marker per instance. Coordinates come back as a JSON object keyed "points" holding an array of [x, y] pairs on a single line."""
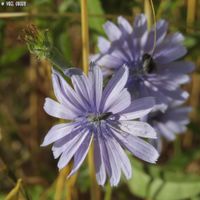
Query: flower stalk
{"points": [[108, 193], [151, 18], [60, 183], [148, 13], [85, 35]]}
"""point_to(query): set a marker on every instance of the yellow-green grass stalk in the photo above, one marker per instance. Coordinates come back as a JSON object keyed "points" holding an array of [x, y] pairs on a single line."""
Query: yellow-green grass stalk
{"points": [[195, 91], [53, 15], [148, 13], [65, 187], [85, 35], [94, 190], [15, 193], [60, 183], [151, 18], [191, 13]]}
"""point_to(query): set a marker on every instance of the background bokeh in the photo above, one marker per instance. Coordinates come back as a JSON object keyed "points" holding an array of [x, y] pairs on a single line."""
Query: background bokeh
{"points": [[25, 81]]}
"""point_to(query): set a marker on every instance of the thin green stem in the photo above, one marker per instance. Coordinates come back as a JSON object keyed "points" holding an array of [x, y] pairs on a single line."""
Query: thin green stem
{"points": [[177, 147], [108, 193]]}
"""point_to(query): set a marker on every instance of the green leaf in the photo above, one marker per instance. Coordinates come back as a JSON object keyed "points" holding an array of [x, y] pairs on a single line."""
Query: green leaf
{"points": [[65, 45], [12, 55], [195, 198], [157, 183], [180, 161], [2, 33], [95, 23], [154, 187], [69, 5], [140, 181], [36, 191], [178, 190], [190, 42]]}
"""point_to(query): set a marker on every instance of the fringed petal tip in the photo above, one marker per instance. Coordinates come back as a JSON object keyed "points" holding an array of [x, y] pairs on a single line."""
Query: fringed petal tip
{"points": [[46, 104], [43, 144], [124, 24], [113, 184], [112, 31], [185, 95], [156, 157], [101, 180], [71, 174]]}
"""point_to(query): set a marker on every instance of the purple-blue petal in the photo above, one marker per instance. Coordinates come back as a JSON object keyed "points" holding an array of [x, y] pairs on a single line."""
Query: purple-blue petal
{"points": [[81, 153], [58, 110], [114, 87]]}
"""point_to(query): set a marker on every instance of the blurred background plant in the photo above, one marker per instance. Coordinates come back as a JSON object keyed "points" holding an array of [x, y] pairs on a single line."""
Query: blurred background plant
{"points": [[28, 171]]}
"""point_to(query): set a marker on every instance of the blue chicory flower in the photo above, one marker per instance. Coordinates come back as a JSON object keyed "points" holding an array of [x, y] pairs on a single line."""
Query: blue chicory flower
{"points": [[168, 123], [157, 73], [105, 116]]}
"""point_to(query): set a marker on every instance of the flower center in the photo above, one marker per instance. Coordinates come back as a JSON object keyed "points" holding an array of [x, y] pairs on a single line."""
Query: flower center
{"points": [[98, 117], [143, 66], [148, 64], [155, 116]]}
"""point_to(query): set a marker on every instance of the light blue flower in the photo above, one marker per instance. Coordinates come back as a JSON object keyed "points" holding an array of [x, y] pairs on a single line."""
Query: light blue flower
{"points": [[157, 73], [169, 123], [105, 116]]}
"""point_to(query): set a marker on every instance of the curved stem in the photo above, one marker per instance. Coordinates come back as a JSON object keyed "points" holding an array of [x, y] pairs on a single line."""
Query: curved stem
{"points": [[154, 21], [151, 19]]}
